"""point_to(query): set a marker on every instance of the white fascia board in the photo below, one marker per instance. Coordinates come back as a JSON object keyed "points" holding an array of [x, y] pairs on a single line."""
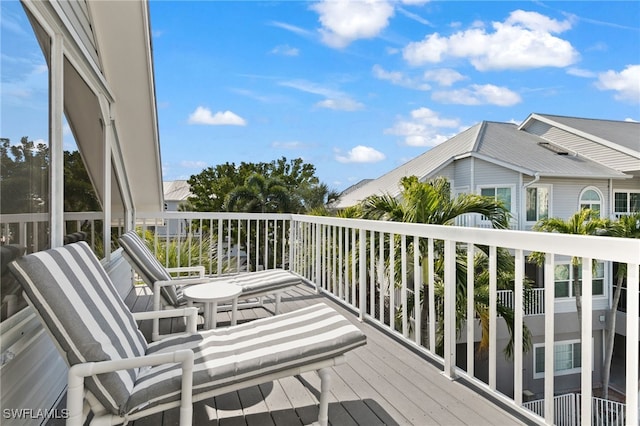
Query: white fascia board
{"points": [[497, 162]]}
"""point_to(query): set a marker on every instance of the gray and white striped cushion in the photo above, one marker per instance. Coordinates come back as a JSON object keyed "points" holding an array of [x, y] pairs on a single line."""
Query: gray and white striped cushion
{"points": [[147, 266], [83, 311], [250, 350], [270, 280]]}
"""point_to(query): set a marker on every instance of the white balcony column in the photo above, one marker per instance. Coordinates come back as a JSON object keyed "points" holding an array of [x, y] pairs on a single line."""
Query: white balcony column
{"points": [[362, 265], [432, 297], [586, 335], [449, 308], [549, 330], [56, 149], [632, 414], [493, 315], [518, 309], [417, 286], [470, 310], [403, 294]]}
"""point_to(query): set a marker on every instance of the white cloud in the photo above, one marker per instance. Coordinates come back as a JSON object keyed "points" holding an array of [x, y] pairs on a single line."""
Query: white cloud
{"points": [[625, 84], [292, 28], [193, 164], [579, 72], [285, 50], [524, 40], [398, 78], [424, 128], [443, 76], [340, 104], [203, 115], [335, 99], [361, 154], [344, 21], [478, 94]]}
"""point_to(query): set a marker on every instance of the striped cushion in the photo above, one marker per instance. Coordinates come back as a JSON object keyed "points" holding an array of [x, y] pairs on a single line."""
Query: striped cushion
{"points": [[146, 265], [81, 308], [247, 351], [268, 281]]}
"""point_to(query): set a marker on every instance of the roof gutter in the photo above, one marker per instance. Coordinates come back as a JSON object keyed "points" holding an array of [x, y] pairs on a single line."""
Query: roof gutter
{"points": [[536, 177]]}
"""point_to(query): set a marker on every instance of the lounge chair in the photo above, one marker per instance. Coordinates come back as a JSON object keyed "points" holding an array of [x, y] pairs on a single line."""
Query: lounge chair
{"points": [[118, 376], [169, 290]]}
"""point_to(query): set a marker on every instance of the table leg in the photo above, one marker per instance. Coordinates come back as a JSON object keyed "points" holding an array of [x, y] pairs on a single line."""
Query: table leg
{"points": [[214, 314], [234, 309], [207, 316]]}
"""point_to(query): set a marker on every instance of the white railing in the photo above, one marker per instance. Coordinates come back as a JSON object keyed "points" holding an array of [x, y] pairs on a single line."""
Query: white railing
{"points": [[568, 410], [373, 268], [358, 261], [534, 300]]}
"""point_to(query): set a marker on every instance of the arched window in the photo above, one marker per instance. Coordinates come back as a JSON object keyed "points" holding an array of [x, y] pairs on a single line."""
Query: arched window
{"points": [[590, 198]]}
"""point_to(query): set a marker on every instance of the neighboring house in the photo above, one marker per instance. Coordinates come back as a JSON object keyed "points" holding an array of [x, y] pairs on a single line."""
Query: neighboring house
{"points": [[176, 193], [549, 166]]}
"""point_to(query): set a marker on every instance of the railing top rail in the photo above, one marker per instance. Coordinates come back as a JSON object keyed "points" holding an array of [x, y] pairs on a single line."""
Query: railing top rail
{"points": [[623, 250], [213, 215]]}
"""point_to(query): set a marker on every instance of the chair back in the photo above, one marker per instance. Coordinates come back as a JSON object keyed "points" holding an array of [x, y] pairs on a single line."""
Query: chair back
{"points": [[146, 265], [83, 312]]}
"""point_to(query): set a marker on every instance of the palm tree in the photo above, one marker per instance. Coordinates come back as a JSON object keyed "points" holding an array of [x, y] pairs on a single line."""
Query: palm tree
{"points": [[430, 203], [624, 227], [584, 222], [259, 194]]}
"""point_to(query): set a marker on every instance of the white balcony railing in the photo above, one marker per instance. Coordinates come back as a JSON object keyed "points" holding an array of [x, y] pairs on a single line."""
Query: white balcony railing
{"points": [[372, 268]]}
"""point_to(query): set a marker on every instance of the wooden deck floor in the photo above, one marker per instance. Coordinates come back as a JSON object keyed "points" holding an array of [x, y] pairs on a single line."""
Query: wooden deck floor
{"points": [[382, 383]]}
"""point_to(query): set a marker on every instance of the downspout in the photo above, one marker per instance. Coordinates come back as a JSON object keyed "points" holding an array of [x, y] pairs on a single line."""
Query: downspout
{"points": [[536, 177]]}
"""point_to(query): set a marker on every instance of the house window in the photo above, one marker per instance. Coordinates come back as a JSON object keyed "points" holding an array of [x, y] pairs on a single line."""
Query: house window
{"points": [[626, 202], [537, 203], [563, 279], [567, 358], [498, 193], [590, 198]]}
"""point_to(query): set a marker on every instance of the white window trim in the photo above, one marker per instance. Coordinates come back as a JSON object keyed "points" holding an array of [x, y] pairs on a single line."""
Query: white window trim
{"points": [[575, 370], [549, 187], [514, 206], [597, 190], [605, 269], [622, 191]]}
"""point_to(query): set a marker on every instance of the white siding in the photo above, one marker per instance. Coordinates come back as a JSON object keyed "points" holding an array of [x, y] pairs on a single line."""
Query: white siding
{"points": [[462, 172], [592, 150], [566, 193], [627, 184]]}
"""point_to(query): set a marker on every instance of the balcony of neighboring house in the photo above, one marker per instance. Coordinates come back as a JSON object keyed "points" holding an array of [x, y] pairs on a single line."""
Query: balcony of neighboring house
{"points": [[433, 359]]}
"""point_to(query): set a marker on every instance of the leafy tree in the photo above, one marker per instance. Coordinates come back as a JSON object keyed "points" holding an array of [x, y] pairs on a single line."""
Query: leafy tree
{"points": [[624, 227], [430, 202], [584, 222], [259, 195], [211, 187], [79, 195]]}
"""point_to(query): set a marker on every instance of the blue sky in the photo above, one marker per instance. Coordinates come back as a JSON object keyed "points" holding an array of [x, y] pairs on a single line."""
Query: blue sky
{"points": [[358, 88]]}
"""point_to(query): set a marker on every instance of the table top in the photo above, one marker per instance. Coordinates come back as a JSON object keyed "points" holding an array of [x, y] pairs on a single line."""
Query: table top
{"points": [[211, 292]]}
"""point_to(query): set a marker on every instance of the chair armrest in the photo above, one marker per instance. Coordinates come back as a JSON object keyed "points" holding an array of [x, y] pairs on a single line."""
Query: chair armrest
{"points": [[199, 269], [77, 373], [190, 313]]}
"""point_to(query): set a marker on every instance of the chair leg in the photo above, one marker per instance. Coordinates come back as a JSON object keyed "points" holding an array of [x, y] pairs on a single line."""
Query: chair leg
{"points": [[325, 385]]}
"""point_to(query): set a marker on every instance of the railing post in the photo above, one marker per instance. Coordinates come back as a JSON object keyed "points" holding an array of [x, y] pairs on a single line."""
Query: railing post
{"points": [[449, 308], [632, 415], [518, 329], [586, 335], [362, 263], [470, 310], [493, 315], [549, 324]]}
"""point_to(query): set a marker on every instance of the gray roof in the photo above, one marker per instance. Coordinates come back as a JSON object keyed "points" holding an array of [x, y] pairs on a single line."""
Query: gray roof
{"points": [[177, 190], [625, 134], [499, 143]]}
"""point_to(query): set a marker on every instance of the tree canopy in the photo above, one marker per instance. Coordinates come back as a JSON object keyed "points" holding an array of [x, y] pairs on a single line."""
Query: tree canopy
{"points": [[246, 187]]}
